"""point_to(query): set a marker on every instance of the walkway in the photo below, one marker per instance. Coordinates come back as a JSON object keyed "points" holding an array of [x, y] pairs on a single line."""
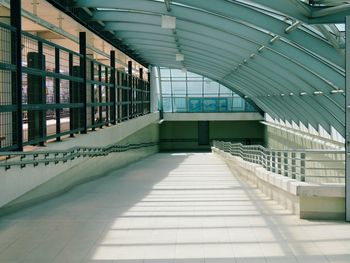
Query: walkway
{"points": [[168, 208]]}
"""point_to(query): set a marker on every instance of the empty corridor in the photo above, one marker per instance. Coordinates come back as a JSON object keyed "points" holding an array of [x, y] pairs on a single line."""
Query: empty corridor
{"points": [[169, 208]]}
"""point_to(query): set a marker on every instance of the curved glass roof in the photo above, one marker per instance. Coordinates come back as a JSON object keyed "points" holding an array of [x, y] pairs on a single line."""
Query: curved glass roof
{"points": [[287, 56]]}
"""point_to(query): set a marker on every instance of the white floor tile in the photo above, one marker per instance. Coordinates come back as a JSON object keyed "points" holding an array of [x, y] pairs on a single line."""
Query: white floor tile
{"points": [[169, 208]]}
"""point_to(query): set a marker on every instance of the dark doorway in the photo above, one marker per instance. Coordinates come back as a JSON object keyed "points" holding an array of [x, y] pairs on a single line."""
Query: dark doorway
{"points": [[203, 133]]}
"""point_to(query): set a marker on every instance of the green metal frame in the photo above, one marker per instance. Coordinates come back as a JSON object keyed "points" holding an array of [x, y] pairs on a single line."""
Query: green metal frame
{"points": [[102, 79], [266, 50]]}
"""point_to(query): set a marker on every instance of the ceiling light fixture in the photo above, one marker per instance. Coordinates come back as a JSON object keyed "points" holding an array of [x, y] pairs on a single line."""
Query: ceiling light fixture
{"points": [[180, 57], [337, 91], [168, 22]]}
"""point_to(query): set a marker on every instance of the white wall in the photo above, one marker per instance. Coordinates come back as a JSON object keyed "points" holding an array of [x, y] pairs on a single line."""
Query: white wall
{"points": [[17, 181]]}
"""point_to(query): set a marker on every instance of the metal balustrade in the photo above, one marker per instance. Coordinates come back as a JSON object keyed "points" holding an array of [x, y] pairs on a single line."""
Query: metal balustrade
{"points": [[306, 165], [61, 92], [23, 159]]}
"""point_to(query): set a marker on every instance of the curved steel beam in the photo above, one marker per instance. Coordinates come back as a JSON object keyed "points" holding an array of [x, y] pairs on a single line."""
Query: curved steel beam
{"points": [[236, 12]]}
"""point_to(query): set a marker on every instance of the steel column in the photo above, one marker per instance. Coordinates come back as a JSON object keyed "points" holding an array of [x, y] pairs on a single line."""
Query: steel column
{"points": [[148, 93], [142, 92], [82, 51], [100, 95], [107, 97], [57, 93], [16, 21], [42, 88], [130, 92], [70, 68], [347, 121], [119, 97], [92, 92], [113, 89]]}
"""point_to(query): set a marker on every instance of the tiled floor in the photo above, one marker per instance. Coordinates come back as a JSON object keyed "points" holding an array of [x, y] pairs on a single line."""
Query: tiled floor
{"points": [[169, 208]]}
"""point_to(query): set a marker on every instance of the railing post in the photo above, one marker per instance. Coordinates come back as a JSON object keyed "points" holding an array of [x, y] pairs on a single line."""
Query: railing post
{"points": [[273, 161], [294, 163], [302, 167], [279, 162], [268, 152], [285, 166], [264, 158]]}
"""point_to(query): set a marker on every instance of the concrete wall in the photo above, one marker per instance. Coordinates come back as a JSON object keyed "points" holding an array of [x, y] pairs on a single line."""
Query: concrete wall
{"points": [[183, 135], [23, 187]]}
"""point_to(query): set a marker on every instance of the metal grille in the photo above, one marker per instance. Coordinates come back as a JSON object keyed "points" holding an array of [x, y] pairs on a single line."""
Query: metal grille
{"points": [[8, 114], [53, 92]]}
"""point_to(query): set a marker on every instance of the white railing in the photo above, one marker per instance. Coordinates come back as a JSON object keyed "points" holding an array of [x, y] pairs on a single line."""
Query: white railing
{"points": [[315, 166]]}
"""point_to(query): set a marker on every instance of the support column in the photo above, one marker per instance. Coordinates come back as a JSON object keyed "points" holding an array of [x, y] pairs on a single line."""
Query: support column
{"points": [[155, 88], [119, 96], [142, 92], [107, 96], [113, 89], [100, 116], [92, 94], [16, 21], [89, 90], [347, 120], [82, 51], [71, 100], [57, 93], [149, 92], [130, 92]]}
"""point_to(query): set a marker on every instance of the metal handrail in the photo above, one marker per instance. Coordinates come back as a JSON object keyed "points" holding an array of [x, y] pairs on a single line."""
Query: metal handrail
{"points": [[22, 159], [302, 164]]}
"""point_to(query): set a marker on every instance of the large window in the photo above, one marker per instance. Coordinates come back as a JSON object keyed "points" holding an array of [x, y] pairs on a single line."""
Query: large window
{"points": [[189, 92]]}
